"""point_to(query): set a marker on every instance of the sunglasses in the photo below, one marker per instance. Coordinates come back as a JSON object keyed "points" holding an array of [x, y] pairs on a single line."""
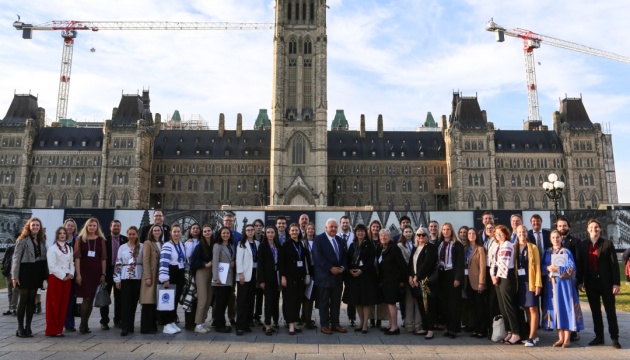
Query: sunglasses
{"points": [[421, 235]]}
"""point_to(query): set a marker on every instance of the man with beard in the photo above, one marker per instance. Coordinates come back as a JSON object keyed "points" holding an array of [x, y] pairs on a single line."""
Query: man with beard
{"points": [[304, 220], [112, 242], [158, 219], [571, 243], [346, 235]]}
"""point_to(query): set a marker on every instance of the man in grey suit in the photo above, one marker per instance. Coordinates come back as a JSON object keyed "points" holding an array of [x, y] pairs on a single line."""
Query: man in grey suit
{"points": [[329, 256]]}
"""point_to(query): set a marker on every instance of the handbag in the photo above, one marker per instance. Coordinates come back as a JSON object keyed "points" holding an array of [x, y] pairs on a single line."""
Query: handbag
{"points": [[434, 277], [102, 298], [498, 329]]}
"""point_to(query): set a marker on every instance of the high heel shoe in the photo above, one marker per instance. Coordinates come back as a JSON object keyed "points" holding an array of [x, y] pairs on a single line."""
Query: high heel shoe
{"points": [[20, 332], [29, 332]]}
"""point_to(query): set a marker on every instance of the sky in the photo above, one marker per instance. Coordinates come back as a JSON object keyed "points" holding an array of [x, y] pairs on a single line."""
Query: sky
{"points": [[398, 58]]}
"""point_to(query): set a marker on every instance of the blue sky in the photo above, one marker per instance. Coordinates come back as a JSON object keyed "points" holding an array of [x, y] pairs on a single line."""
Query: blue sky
{"points": [[398, 58]]}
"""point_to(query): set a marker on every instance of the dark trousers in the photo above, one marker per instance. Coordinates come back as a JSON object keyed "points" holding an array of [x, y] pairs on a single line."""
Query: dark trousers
{"points": [[26, 306], [105, 309], [450, 301], [329, 304], [129, 295], [272, 302], [596, 290], [427, 314], [477, 310], [492, 302], [245, 303], [260, 295], [221, 297], [72, 303], [506, 294], [148, 318], [177, 277]]}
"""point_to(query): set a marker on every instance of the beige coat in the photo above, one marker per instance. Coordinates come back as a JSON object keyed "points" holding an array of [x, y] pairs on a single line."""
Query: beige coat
{"points": [[477, 268], [150, 266]]}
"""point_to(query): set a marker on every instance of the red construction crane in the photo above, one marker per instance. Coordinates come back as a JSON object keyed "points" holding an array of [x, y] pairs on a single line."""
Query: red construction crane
{"points": [[531, 41], [69, 29]]}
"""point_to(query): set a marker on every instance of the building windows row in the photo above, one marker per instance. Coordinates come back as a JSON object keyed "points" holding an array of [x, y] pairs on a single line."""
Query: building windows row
{"points": [[479, 163], [66, 161], [483, 201], [7, 178], [529, 163], [303, 11], [586, 180], [120, 178], [582, 146], [585, 163], [123, 143], [11, 142], [10, 160], [122, 160], [10, 199], [476, 180], [473, 145], [582, 202]]}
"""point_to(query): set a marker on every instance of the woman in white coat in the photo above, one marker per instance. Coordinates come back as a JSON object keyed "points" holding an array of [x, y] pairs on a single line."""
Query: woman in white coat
{"points": [[246, 263]]}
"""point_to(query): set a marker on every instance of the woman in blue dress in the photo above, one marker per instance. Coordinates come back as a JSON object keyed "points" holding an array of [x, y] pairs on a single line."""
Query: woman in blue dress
{"points": [[561, 305]]}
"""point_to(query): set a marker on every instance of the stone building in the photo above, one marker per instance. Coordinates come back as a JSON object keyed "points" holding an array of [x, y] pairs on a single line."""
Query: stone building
{"points": [[134, 161]]}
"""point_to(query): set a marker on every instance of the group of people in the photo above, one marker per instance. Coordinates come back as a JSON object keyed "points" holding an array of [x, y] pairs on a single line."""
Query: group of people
{"points": [[517, 278]]}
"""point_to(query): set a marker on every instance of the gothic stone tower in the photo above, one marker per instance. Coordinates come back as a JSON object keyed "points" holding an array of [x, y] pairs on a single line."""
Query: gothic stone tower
{"points": [[298, 131]]}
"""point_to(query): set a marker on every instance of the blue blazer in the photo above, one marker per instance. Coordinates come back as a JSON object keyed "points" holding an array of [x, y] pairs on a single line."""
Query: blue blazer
{"points": [[545, 237], [324, 258]]}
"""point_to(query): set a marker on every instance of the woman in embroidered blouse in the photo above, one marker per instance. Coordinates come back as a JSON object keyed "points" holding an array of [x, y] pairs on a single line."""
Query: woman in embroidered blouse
{"points": [[148, 291], [61, 272], [90, 258], [28, 271], [71, 228], [451, 264], [222, 252], [529, 281], [476, 284], [505, 282], [201, 264], [172, 272], [268, 277], [246, 263], [128, 278], [561, 305]]}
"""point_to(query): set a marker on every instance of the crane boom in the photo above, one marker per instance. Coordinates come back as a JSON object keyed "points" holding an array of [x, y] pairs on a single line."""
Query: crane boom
{"points": [[69, 30], [531, 41]]}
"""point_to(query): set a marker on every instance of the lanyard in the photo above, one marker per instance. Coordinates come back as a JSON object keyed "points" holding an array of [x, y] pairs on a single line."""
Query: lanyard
{"points": [[252, 246], [180, 253], [522, 256], [298, 248], [468, 254], [274, 251]]}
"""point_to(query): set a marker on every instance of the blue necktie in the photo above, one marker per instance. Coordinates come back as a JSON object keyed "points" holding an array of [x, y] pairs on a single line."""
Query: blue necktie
{"points": [[334, 241]]}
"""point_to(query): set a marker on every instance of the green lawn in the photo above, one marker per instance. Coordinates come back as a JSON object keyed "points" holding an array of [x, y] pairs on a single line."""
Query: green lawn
{"points": [[3, 282], [623, 298]]}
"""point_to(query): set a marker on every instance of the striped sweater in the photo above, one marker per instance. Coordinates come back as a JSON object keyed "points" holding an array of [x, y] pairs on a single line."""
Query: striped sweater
{"points": [[170, 256]]}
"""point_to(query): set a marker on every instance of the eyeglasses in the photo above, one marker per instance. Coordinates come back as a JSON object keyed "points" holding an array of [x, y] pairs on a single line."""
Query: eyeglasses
{"points": [[421, 235], [250, 229]]}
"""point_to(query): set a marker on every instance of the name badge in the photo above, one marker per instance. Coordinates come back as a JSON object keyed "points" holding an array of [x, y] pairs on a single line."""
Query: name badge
{"points": [[300, 264], [91, 253], [180, 265], [521, 272], [361, 263], [465, 271], [448, 267]]}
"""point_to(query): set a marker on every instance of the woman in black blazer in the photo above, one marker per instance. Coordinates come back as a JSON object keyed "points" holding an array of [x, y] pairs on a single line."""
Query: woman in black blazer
{"points": [[267, 276], [422, 264], [292, 265], [393, 274], [451, 263]]}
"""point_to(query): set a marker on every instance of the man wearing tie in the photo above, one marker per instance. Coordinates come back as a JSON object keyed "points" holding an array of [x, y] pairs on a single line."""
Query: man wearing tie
{"points": [[538, 236], [347, 237], [329, 256], [516, 220]]}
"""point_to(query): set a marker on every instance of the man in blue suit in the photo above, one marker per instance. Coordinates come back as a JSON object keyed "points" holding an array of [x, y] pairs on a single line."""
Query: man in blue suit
{"points": [[329, 258], [538, 236]]}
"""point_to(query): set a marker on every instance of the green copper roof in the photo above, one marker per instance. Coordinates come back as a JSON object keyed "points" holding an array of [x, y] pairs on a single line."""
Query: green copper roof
{"points": [[340, 122], [430, 122], [262, 121], [176, 116], [67, 123]]}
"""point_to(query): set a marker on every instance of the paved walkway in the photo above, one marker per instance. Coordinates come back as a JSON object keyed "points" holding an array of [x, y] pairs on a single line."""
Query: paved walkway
{"points": [[308, 345]]}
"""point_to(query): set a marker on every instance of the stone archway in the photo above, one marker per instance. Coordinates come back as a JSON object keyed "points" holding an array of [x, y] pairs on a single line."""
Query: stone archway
{"points": [[299, 199]]}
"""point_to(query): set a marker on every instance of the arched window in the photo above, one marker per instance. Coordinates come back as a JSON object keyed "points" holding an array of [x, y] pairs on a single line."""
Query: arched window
{"points": [[502, 181], [175, 204], [545, 202], [501, 202], [581, 180], [95, 200], [518, 181], [77, 201], [394, 186], [125, 203], [484, 201], [292, 47], [594, 201], [112, 200], [582, 201], [540, 180], [526, 181], [299, 150], [289, 10], [191, 202], [308, 47], [64, 201], [481, 180], [471, 202], [531, 202], [388, 187], [590, 178], [470, 180], [49, 200], [517, 202], [11, 199], [32, 200]]}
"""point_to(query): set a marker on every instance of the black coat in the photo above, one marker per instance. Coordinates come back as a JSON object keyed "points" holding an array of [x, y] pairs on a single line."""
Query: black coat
{"points": [[266, 264], [426, 263], [392, 271], [607, 265], [571, 243], [288, 262], [109, 268], [363, 289]]}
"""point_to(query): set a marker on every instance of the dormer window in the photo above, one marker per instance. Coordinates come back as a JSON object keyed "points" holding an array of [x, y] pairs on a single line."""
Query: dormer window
{"points": [[227, 152], [373, 153], [256, 152], [181, 139], [69, 142], [56, 143], [84, 143], [246, 152], [354, 153], [540, 146], [178, 152], [513, 146], [526, 145], [499, 146], [393, 154], [402, 154], [98, 143], [42, 143], [343, 153], [207, 152], [197, 152]]}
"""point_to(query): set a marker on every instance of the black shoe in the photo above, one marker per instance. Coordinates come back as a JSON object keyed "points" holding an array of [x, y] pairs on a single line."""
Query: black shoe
{"points": [[20, 332], [29, 332], [596, 341], [38, 308], [372, 323], [104, 327], [124, 333], [575, 336], [248, 329], [616, 344], [239, 332], [8, 312], [352, 323], [395, 332], [71, 329], [310, 325], [378, 323]]}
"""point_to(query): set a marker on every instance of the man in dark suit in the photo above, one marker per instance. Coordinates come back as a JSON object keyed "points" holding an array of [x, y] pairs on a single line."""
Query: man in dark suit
{"points": [[598, 274], [113, 242], [329, 256], [158, 219], [538, 236], [486, 218], [281, 229]]}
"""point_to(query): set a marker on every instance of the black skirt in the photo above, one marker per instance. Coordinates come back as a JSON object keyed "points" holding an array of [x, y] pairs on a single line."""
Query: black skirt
{"points": [[32, 275]]}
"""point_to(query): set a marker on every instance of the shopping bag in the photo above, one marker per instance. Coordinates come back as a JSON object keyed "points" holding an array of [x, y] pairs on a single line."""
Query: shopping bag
{"points": [[166, 298], [102, 299], [498, 329]]}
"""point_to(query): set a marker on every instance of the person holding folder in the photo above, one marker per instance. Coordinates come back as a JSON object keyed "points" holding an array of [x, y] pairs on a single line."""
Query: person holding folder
{"points": [[223, 255]]}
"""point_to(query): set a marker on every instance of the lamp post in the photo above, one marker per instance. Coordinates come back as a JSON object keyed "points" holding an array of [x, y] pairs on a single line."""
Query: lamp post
{"points": [[553, 190]]}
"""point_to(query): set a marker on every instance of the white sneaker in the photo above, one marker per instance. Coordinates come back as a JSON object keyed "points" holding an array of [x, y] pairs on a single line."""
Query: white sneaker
{"points": [[177, 328], [201, 329], [168, 329]]}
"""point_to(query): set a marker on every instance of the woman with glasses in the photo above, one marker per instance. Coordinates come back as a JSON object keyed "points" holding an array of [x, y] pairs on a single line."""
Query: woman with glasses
{"points": [[379, 312], [422, 265]]}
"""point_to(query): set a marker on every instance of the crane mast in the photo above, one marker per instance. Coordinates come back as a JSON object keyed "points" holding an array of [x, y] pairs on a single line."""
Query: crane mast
{"points": [[69, 29], [531, 41]]}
